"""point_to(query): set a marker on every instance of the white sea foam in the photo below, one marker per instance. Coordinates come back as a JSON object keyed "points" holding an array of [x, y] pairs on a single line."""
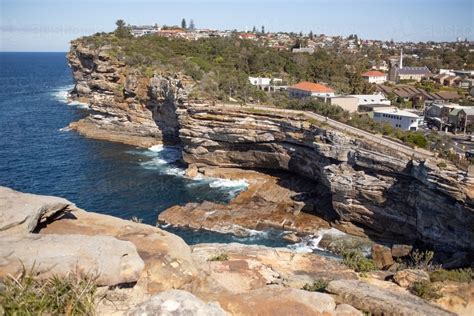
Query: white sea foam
{"points": [[81, 105], [61, 93], [65, 129], [310, 243], [156, 148]]}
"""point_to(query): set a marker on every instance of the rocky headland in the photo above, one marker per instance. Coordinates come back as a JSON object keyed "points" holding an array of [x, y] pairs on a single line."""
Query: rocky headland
{"points": [[305, 174], [143, 270]]}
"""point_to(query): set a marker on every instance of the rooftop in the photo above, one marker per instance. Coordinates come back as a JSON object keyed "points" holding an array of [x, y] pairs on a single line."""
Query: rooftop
{"points": [[373, 73], [311, 86], [414, 71], [396, 112]]}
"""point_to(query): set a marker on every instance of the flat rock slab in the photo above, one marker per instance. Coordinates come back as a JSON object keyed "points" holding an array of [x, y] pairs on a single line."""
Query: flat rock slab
{"points": [[176, 303], [250, 267], [381, 301], [168, 262], [276, 301], [20, 212], [109, 260]]}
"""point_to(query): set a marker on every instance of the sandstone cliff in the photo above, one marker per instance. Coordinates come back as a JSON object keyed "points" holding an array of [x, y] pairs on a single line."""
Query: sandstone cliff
{"points": [[379, 190]]}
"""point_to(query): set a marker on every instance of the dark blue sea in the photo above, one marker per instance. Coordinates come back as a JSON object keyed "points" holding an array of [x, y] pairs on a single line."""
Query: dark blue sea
{"points": [[38, 155]]}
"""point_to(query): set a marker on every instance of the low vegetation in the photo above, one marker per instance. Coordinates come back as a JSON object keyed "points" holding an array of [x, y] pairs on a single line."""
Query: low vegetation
{"points": [[356, 260], [426, 290], [317, 286], [55, 296], [219, 257], [456, 275]]}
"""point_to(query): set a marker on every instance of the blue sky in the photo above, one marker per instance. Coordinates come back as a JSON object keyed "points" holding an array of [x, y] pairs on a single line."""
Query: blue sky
{"points": [[49, 25]]}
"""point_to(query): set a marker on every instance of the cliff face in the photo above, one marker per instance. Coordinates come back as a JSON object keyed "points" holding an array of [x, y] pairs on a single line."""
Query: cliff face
{"points": [[122, 99], [384, 192], [393, 197]]}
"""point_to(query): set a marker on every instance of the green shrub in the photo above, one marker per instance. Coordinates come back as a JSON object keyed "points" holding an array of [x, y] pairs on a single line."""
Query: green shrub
{"points": [[356, 260], [219, 257], [456, 275], [442, 165], [425, 290], [57, 295], [317, 286]]}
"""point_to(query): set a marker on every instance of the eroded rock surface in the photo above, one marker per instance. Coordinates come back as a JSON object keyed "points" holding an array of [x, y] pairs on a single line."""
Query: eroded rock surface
{"points": [[176, 303], [20, 213], [106, 259], [381, 301]]}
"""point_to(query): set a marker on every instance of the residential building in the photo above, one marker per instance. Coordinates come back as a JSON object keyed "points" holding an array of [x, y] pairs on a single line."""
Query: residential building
{"points": [[461, 118], [374, 76], [310, 89], [466, 83], [267, 84], [403, 120]]}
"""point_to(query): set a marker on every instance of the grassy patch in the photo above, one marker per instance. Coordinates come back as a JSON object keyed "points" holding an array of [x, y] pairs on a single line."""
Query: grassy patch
{"points": [[426, 290], [317, 286], [457, 275], [356, 260], [219, 257], [67, 296]]}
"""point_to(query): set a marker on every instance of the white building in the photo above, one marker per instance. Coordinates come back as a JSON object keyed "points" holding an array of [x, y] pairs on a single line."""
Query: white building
{"points": [[259, 81], [374, 76], [403, 120], [367, 99]]}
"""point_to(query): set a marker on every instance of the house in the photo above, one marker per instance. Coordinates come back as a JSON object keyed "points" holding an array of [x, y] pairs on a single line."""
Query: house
{"points": [[461, 118], [374, 76], [403, 120], [466, 83], [267, 84], [259, 81], [346, 102], [310, 89], [399, 73]]}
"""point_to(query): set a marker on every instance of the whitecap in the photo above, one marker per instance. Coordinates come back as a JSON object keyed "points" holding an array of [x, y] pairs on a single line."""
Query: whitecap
{"points": [[81, 105], [226, 183], [65, 129], [310, 243], [61, 93]]}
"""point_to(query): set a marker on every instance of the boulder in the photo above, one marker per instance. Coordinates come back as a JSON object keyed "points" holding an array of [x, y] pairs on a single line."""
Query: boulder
{"points": [[109, 260], [381, 301], [382, 256], [406, 278], [20, 212], [176, 303], [401, 250]]}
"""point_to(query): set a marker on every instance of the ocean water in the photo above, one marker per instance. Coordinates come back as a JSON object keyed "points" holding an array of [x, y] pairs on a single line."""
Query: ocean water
{"points": [[39, 155]]}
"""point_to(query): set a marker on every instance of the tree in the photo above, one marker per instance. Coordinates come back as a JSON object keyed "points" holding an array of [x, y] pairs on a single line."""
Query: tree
{"points": [[254, 30], [263, 29], [311, 35], [192, 27], [183, 23], [122, 30]]}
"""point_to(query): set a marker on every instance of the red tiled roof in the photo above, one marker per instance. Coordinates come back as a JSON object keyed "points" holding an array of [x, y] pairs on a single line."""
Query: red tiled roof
{"points": [[373, 73], [311, 86]]}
